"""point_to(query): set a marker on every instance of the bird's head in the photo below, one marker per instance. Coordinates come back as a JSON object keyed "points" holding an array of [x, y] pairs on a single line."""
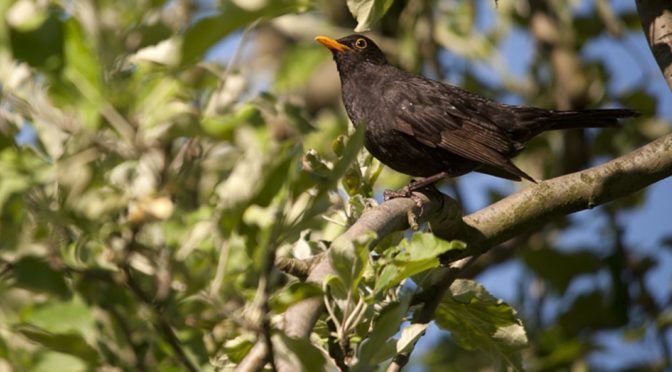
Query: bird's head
{"points": [[352, 51]]}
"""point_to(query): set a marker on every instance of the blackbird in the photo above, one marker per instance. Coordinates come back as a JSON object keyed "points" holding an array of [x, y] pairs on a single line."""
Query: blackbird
{"points": [[427, 128]]}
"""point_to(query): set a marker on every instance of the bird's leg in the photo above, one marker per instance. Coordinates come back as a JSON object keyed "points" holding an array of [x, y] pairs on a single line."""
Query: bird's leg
{"points": [[407, 191]]}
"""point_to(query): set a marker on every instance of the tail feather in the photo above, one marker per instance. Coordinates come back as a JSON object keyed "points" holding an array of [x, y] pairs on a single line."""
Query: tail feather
{"points": [[597, 118]]}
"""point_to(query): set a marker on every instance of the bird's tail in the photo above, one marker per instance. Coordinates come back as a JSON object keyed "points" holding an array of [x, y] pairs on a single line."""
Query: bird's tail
{"points": [[597, 118]]}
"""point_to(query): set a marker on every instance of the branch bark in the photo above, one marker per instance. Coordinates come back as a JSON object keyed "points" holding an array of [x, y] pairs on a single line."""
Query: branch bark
{"points": [[656, 18], [524, 211]]}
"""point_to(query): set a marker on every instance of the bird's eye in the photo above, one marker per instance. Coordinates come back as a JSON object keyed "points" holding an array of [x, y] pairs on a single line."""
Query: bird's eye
{"points": [[360, 43]]}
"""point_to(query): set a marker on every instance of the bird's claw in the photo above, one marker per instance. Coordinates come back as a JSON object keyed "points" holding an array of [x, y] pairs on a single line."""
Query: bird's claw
{"points": [[404, 192]]}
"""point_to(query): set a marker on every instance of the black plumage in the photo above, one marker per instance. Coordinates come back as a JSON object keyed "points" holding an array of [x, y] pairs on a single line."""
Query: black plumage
{"points": [[427, 128]]}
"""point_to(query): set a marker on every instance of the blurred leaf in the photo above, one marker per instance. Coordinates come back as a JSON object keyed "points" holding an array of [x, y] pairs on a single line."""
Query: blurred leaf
{"points": [[276, 175], [352, 180], [562, 355], [592, 311], [192, 340], [68, 343], [236, 348], [560, 268], [36, 36], [292, 294], [62, 317], [645, 103], [223, 127], [206, 32], [586, 28], [296, 118], [151, 33], [52, 361], [354, 145], [477, 320], [416, 255], [256, 179], [35, 274], [298, 66], [368, 12], [80, 82]]}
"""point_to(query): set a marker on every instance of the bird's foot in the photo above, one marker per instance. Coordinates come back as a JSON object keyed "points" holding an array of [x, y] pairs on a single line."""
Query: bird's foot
{"points": [[404, 192]]}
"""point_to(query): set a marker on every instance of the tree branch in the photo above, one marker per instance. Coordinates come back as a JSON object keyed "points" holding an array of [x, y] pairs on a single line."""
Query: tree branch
{"points": [[535, 206], [524, 211], [656, 18]]}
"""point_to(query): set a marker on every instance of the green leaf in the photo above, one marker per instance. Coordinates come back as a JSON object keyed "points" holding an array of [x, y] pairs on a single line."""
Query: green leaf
{"points": [[415, 256], [477, 320], [35, 274], [377, 347], [208, 31], [368, 12], [350, 258], [309, 356], [69, 343]]}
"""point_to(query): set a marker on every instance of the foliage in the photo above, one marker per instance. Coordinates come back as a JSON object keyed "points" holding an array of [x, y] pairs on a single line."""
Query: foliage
{"points": [[153, 167]]}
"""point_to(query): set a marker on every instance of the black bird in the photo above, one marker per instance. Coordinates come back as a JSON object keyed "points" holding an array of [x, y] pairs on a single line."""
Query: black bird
{"points": [[427, 128]]}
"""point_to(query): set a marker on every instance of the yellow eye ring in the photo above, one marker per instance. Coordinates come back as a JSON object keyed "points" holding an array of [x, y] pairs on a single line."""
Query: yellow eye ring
{"points": [[360, 43]]}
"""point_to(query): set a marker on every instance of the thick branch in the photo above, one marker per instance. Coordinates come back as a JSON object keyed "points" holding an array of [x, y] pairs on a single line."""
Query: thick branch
{"points": [[656, 17]]}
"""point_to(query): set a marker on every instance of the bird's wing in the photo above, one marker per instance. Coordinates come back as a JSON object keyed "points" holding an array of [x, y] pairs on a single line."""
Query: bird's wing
{"points": [[460, 123]]}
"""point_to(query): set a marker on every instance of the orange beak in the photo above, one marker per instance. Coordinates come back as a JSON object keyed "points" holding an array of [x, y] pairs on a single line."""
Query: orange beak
{"points": [[332, 44]]}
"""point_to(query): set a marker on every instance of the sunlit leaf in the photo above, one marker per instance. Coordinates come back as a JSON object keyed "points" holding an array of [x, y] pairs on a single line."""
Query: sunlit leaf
{"points": [[410, 335], [416, 255]]}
